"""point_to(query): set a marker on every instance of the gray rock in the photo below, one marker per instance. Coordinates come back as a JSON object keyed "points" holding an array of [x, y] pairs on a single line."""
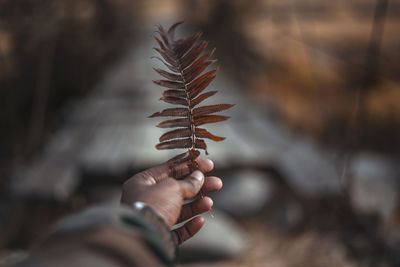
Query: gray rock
{"points": [[220, 238], [58, 183], [245, 192], [309, 169], [12, 257], [286, 214], [374, 184]]}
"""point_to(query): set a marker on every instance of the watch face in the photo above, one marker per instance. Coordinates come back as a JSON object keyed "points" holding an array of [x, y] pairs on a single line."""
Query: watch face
{"points": [[139, 205]]}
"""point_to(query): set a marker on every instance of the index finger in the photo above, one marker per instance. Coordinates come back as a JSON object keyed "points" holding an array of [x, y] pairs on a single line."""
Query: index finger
{"points": [[163, 171]]}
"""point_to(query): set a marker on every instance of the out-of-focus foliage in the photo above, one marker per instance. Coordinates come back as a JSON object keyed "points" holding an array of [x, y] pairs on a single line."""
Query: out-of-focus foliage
{"points": [[309, 59]]}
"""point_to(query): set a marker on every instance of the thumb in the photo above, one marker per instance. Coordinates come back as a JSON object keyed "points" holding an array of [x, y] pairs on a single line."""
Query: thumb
{"points": [[191, 185]]}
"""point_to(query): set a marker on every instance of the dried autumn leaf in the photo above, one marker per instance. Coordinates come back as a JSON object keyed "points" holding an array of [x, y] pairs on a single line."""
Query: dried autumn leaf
{"points": [[178, 133], [203, 133], [204, 110], [171, 112], [178, 143], [174, 123], [209, 119]]}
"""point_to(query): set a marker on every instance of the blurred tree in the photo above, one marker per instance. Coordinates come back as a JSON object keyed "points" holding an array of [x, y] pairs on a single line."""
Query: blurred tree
{"points": [[52, 51]]}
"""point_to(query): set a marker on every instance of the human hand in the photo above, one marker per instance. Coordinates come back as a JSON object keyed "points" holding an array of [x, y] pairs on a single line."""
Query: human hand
{"points": [[157, 188]]}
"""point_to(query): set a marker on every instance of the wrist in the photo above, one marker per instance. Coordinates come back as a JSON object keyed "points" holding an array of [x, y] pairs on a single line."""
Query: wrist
{"points": [[154, 230]]}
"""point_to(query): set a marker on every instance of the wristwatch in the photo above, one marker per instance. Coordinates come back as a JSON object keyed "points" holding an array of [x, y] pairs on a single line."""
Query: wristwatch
{"points": [[154, 231]]}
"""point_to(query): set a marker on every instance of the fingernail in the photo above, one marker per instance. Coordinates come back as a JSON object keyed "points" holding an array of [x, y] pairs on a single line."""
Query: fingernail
{"points": [[198, 175], [212, 202], [210, 162]]}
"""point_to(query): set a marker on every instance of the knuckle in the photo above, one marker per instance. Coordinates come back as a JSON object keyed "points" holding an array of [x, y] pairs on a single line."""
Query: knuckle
{"points": [[127, 184], [188, 231], [184, 214], [192, 184], [172, 184]]}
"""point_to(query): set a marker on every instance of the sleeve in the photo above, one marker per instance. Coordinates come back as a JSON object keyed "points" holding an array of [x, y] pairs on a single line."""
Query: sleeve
{"points": [[107, 236]]}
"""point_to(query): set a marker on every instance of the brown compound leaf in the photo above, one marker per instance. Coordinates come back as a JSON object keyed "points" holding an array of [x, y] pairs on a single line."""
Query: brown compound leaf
{"points": [[186, 59]]}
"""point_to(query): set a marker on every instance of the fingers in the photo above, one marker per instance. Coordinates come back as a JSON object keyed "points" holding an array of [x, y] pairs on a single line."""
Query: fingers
{"points": [[195, 208], [158, 173], [181, 170], [204, 204], [211, 184], [205, 165], [188, 230], [191, 185]]}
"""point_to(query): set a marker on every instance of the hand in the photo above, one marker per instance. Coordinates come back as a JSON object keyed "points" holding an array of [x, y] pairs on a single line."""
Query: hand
{"points": [[165, 195]]}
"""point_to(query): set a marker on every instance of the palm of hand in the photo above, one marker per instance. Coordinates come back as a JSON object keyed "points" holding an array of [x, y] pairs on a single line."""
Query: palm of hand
{"points": [[165, 195]]}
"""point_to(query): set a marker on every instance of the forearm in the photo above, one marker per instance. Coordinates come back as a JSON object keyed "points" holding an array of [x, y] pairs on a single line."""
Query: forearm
{"points": [[105, 236]]}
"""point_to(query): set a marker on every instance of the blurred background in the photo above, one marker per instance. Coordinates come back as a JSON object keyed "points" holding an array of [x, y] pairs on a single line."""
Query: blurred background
{"points": [[311, 160]]}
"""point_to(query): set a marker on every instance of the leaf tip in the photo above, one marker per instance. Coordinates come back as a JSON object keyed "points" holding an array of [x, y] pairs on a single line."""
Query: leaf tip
{"points": [[153, 115]]}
